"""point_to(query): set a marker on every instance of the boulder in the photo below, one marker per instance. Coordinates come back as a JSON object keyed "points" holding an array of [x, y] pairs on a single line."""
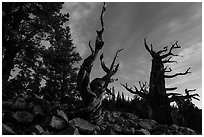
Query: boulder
{"points": [[6, 130], [39, 130], [83, 126], [57, 123], [62, 115], [23, 117], [187, 131], [147, 124], [142, 132]]}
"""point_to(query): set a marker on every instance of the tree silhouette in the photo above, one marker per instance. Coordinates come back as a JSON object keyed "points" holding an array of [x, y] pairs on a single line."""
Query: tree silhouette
{"points": [[92, 93], [156, 96], [36, 41]]}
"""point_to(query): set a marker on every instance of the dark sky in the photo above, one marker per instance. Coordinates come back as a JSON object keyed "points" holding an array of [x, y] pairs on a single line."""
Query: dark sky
{"points": [[126, 26]]}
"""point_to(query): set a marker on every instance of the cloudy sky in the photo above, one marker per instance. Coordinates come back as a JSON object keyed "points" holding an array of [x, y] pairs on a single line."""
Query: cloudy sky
{"points": [[126, 26]]}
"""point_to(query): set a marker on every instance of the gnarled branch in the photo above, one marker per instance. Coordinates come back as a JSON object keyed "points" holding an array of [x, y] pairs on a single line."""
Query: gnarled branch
{"points": [[113, 68], [169, 60], [189, 90], [92, 51], [143, 87], [136, 91], [147, 48], [174, 46], [169, 69], [106, 69], [172, 76], [171, 89], [163, 50]]}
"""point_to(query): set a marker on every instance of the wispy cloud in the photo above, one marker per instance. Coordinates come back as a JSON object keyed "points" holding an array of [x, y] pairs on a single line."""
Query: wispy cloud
{"points": [[80, 13]]}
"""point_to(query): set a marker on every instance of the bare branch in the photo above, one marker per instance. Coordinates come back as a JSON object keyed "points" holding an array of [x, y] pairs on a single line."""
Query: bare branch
{"points": [[175, 97], [171, 89], [102, 14], [147, 47], [143, 87], [99, 33], [137, 92], [103, 64], [189, 90], [110, 72], [169, 60], [92, 51], [174, 94], [174, 46], [129, 89], [163, 50], [99, 40], [172, 76], [196, 98], [113, 63], [165, 69]]}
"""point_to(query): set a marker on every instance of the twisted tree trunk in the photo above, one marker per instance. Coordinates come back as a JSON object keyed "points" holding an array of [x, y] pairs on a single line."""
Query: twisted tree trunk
{"points": [[92, 92]]}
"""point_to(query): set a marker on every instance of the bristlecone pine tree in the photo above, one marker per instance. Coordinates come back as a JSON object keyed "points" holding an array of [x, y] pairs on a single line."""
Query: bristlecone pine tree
{"points": [[157, 96], [92, 92]]}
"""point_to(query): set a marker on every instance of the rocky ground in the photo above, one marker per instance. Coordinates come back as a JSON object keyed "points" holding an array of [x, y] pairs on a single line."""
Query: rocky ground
{"points": [[25, 116]]}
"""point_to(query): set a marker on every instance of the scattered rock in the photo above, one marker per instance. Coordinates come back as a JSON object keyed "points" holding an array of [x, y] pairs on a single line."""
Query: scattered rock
{"points": [[147, 124], [142, 132], [23, 117], [35, 116], [83, 126], [187, 131], [130, 116], [57, 123], [63, 115], [39, 130], [6, 130]]}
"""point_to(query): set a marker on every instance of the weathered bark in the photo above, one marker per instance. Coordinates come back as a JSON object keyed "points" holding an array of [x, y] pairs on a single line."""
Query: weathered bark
{"points": [[92, 93], [159, 99], [91, 101]]}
